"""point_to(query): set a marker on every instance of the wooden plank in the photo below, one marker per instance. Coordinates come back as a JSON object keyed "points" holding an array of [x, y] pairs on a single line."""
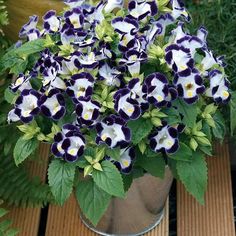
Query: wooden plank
{"points": [[66, 221], [27, 219], [216, 217]]}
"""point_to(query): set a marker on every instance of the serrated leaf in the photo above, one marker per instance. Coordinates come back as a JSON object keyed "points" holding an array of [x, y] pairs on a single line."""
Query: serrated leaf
{"points": [[194, 175], [127, 180], [109, 179], [155, 165], [189, 112], [23, 149], [16, 58], [93, 201], [184, 153], [61, 177], [140, 129]]}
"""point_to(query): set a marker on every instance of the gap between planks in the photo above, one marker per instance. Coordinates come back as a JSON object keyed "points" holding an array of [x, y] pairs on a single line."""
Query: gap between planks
{"points": [[65, 221], [216, 218], [27, 220]]}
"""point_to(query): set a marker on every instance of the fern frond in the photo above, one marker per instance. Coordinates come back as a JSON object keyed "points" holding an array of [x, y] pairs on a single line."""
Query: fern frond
{"points": [[5, 225], [17, 188]]}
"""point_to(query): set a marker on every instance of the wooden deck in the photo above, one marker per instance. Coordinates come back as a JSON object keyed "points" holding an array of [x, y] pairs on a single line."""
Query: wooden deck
{"points": [[213, 219]]}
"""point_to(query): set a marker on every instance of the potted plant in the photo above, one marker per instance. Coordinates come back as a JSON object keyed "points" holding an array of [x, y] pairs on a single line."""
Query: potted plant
{"points": [[125, 97]]}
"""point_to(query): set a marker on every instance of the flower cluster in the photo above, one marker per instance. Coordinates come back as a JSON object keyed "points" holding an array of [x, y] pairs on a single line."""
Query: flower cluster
{"points": [[96, 75]]}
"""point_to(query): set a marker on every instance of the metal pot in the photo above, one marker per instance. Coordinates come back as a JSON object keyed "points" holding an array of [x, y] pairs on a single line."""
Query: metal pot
{"points": [[139, 212]]}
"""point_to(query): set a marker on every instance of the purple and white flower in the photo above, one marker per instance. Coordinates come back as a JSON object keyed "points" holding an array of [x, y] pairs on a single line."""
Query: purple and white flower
{"points": [[127, 107], [127, 158], [75, 17], [113, 4], [159, 26], [141, 9], [110, 76], [22, 82], [136, 90], [87, 111], [80, 86], [156, 90], [74, 3], [132, 59], [178, 10], [210, 60], [26, 106], [88, 61], [165, 139], [179, 59], [112, 131], [219, 87], [29, 26], [33, 34], [69, 65], [190, 87], [53, 104], [68, 144], [125, 25], [52, 23]]}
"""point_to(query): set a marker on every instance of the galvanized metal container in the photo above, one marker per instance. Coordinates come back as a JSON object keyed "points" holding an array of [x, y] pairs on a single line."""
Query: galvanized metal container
{"points": [[139, 212]]}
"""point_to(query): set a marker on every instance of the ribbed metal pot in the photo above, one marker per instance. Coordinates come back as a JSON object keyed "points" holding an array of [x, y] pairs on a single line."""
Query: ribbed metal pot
{"points": [[139, 212]]}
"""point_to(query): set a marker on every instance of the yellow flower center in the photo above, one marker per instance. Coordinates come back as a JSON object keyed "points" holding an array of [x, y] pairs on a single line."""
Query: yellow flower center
{"points": [[225, 94], [104, 137], [72, 151], [125, 163]]}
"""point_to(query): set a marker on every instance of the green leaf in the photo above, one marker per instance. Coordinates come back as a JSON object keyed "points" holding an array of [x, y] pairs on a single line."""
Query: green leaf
{"points": [[113, 153], [61, 177], [109, 179], [23, 149], [155, 165], [189, 112], [194, 175], [9, 96], [16, 58], [184, 153], [140, 129], [3, 212], [219, 130], [93, 200], [127, 180], [173, 116]]}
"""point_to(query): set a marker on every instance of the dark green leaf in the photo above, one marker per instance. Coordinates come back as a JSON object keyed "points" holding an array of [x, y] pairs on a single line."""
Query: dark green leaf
{"points": [[155, 165], [93, 201], [113, 153], [189, 112], [109, 179], [23, 149], [194, 175], [184, 153], [61, 178], [16, 58], [140, 129], [127, 180], [173, 116], [219, 130]]}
